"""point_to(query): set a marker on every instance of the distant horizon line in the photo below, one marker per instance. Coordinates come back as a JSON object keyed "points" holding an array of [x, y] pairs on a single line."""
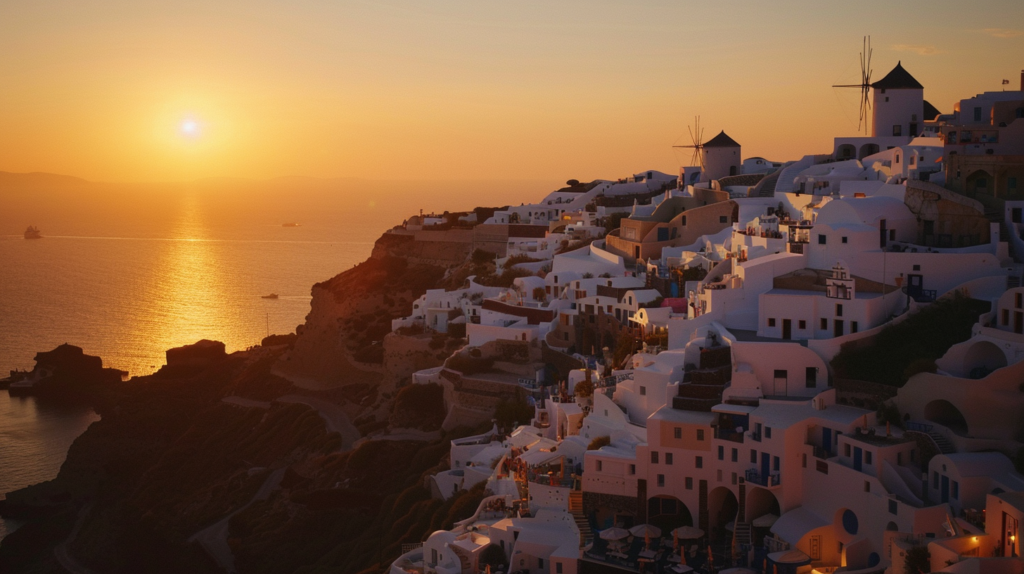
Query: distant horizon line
{"points": [[82, 180]]}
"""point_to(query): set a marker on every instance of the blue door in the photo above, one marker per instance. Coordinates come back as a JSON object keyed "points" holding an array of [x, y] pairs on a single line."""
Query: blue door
{"points": [[945, 488], [858, 458], [826, 440], [765, 468]]}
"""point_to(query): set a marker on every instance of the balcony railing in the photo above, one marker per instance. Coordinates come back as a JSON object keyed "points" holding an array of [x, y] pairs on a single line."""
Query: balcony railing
{"points": [[770, 479], [729, 435]]}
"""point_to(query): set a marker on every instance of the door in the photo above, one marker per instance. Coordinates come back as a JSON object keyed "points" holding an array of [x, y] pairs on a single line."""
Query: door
{"points": [[787, 329], [826, 440], [838, 327], [636, 252], [883, 234], [1018, 322], [858, 458], [915, 284], [945, 488], [765, 468]]}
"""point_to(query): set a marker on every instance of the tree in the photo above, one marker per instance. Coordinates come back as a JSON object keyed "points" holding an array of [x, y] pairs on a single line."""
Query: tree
{"points": [[539, 294], [584, 388], [572, 182]]}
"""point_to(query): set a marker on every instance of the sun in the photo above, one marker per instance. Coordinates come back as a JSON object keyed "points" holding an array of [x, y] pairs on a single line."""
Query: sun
{"points": [[190, 127]]}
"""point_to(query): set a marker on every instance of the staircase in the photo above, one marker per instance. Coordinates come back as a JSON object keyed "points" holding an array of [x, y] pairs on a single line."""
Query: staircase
{"points": [[741, 528], [945, 447], [576, 510]]}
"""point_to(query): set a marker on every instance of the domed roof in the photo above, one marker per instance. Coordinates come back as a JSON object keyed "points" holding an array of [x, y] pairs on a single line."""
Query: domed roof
{"points": [[898, 79]]}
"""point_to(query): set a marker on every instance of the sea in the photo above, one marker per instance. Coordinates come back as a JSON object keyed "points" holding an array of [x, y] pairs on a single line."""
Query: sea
{"points": [[127, 271]]}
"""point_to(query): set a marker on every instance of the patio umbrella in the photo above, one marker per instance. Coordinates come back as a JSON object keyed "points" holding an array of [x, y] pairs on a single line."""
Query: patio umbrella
{"points": [[687, 532], [645, 530], [764, 521], [613, 533]]}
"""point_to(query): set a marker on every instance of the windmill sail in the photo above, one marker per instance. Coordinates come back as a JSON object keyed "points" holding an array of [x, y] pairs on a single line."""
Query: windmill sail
{"points": [[864, 86]]}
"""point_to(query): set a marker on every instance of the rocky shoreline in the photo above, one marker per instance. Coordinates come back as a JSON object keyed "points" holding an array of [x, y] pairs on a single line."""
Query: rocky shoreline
{"points": [[170, 456]]}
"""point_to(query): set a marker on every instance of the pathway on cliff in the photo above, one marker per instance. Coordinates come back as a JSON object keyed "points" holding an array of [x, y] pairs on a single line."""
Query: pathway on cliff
{"points": [[62, 551], [402, 434], [214, 538], [334, 416]]}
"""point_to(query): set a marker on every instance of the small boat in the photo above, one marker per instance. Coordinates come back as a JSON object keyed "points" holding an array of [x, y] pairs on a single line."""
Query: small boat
{"points": [[289, 225], [271, 296], [33, 233]]}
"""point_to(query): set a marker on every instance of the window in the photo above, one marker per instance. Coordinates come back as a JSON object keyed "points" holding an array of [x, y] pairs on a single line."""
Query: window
{"points": [[977, 114], [822, 239], [721, 452], [677, 432], [734, 478], [824, 324], [802, 324], [776, 463], [897, 130], [668, 458], [821, 466], [698, 462], [632, 469], [853, 326], [735, 455], [643, 391], [893, 507], [767, 432], [540, 562], [867, 457], [700, 434], [718, 475], [781, 374], [753, 456], [654, 457], [1011, 182], [689, 483], [811, 377], [599, 465], [935, 480], [844, 239], [867, 486], [661, 480], [683, 220], [723, 219], [839, 309], [917, 267], [956, 490], [846, 449], [897, 158], [1018, 299], [558, 568], [771, 322], [803, 461]]}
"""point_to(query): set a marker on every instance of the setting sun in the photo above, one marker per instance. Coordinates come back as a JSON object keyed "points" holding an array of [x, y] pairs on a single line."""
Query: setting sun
{"points": [[190, 127]]}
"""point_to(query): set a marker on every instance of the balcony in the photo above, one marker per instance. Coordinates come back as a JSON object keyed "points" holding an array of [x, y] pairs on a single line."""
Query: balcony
{"points": [[769, 480], [729, 435]]}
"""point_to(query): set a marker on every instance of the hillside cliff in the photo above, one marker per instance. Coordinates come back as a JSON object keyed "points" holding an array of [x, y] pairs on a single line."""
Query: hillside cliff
{"points": [[182, 451]]}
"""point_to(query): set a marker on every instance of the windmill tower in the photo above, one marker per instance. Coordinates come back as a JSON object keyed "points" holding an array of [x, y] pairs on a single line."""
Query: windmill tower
{"points": [[691, 174], [864, 86], [717, 158]]}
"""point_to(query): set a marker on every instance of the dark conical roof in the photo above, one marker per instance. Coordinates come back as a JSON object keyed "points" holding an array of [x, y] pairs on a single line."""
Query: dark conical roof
{"points": [[898, 79], [930, 111], [721, 140]]}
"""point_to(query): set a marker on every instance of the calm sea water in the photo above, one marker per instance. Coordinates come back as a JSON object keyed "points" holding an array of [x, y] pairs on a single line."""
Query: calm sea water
{"points": [[126, 272]]}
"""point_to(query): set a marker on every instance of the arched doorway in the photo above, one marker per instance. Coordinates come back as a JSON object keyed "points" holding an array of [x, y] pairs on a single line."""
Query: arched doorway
{"points": [[982, 358], [867, 149], [979, 181], [668, 513], [760, 503], [946, 414], [722, 508], [846, 151]]}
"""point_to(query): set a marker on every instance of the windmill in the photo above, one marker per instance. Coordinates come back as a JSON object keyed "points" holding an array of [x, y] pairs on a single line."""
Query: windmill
{"points": [[697, 137], [864, 85]]}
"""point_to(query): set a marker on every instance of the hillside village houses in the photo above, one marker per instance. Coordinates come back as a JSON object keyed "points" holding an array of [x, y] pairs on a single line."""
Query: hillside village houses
{"points": [[677, 338]]}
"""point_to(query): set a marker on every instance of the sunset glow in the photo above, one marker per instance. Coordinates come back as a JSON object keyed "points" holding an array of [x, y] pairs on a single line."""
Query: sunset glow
{"points": [[457, 89]]}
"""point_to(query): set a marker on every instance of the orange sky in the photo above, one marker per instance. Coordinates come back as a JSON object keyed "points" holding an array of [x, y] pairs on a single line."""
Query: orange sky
{"points": [[459, 90]]}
